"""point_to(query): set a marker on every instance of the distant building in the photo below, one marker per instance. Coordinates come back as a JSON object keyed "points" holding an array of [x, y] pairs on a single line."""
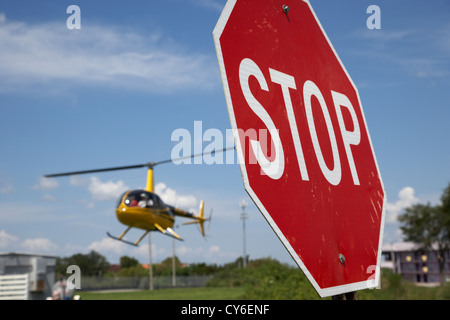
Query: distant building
{"points": [[40, 268], [414, 264], [114, 268]]}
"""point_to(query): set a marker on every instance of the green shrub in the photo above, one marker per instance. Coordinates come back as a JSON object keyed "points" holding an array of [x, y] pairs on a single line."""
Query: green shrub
{"points": [[266, 279]]}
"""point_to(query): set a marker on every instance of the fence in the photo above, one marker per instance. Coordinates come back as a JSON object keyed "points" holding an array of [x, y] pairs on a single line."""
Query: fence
{"points": [[14, 287], [109, 283]]}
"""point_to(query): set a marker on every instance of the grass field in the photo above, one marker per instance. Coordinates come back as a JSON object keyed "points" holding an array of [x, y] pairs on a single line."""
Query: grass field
{"points": [[267, 279], [402, 292], [204, 293]]}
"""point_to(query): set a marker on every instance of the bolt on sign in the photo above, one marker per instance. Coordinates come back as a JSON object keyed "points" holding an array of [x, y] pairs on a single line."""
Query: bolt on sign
{"points": [[302, 141]]}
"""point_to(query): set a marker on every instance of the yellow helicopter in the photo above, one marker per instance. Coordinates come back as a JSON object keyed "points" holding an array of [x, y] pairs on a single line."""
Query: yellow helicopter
{"points": [[143, 209]]}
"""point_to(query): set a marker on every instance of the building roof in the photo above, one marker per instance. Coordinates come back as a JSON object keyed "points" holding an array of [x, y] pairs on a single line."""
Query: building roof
{"points": [[404, 246], [26, 254]]}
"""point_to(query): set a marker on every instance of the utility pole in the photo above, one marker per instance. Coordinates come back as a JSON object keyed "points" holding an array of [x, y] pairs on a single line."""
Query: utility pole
{"points": [[244, 216], [174, 272], [150, 266]]}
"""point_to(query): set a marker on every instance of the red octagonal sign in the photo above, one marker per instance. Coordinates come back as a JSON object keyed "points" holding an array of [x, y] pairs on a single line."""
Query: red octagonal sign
{"points": [[302, 141]]}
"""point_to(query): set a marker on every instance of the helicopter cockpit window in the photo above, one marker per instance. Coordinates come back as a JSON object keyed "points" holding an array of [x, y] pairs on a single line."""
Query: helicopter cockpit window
{"points": [[159, 202], [140, 198], [151, 201], [120, 200]]}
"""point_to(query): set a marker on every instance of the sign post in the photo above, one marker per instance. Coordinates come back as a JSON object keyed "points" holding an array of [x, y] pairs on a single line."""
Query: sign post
{"points": [[302, 141]]}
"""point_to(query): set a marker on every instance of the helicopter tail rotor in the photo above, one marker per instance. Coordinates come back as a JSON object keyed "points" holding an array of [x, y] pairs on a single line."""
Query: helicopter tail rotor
{"points": [[200, 219]]}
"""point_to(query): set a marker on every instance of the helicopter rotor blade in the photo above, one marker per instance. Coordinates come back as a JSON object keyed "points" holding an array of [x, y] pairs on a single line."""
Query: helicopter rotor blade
{"points": [[148, 165], [94, 170], [191, 156]]}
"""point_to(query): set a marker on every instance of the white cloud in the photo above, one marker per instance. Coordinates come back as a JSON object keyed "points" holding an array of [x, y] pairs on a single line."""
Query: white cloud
{"points": [[100, 190], [39, 245], [7, 189], [108, 245], [90, 205], [97, 55], [383, 36], [419, 52], [213, 253], [108, 190], [214, 249], [113, 249], [158, 252], [406, 198], [171, 197], [78, 181], [48, 197], [426, 67], [46, 184], [7, 240]]}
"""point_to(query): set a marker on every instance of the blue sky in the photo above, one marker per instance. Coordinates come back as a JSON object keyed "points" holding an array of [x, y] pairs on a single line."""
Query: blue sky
{"points": [[113, 92]]}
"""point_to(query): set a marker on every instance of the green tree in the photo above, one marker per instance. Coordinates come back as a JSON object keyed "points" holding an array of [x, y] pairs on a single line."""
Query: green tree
{"points": [[429, 227], [165, 268], [126, 262], [133, 271], [91, 264]]}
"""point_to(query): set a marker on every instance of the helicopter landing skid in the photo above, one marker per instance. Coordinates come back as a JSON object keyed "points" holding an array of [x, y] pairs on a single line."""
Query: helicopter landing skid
{"points": [[127, 242], [172, 235], [168, 232]]}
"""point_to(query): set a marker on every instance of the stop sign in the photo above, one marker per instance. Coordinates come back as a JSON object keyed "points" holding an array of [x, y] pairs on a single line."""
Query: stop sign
{"points": [[302, 141]]}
